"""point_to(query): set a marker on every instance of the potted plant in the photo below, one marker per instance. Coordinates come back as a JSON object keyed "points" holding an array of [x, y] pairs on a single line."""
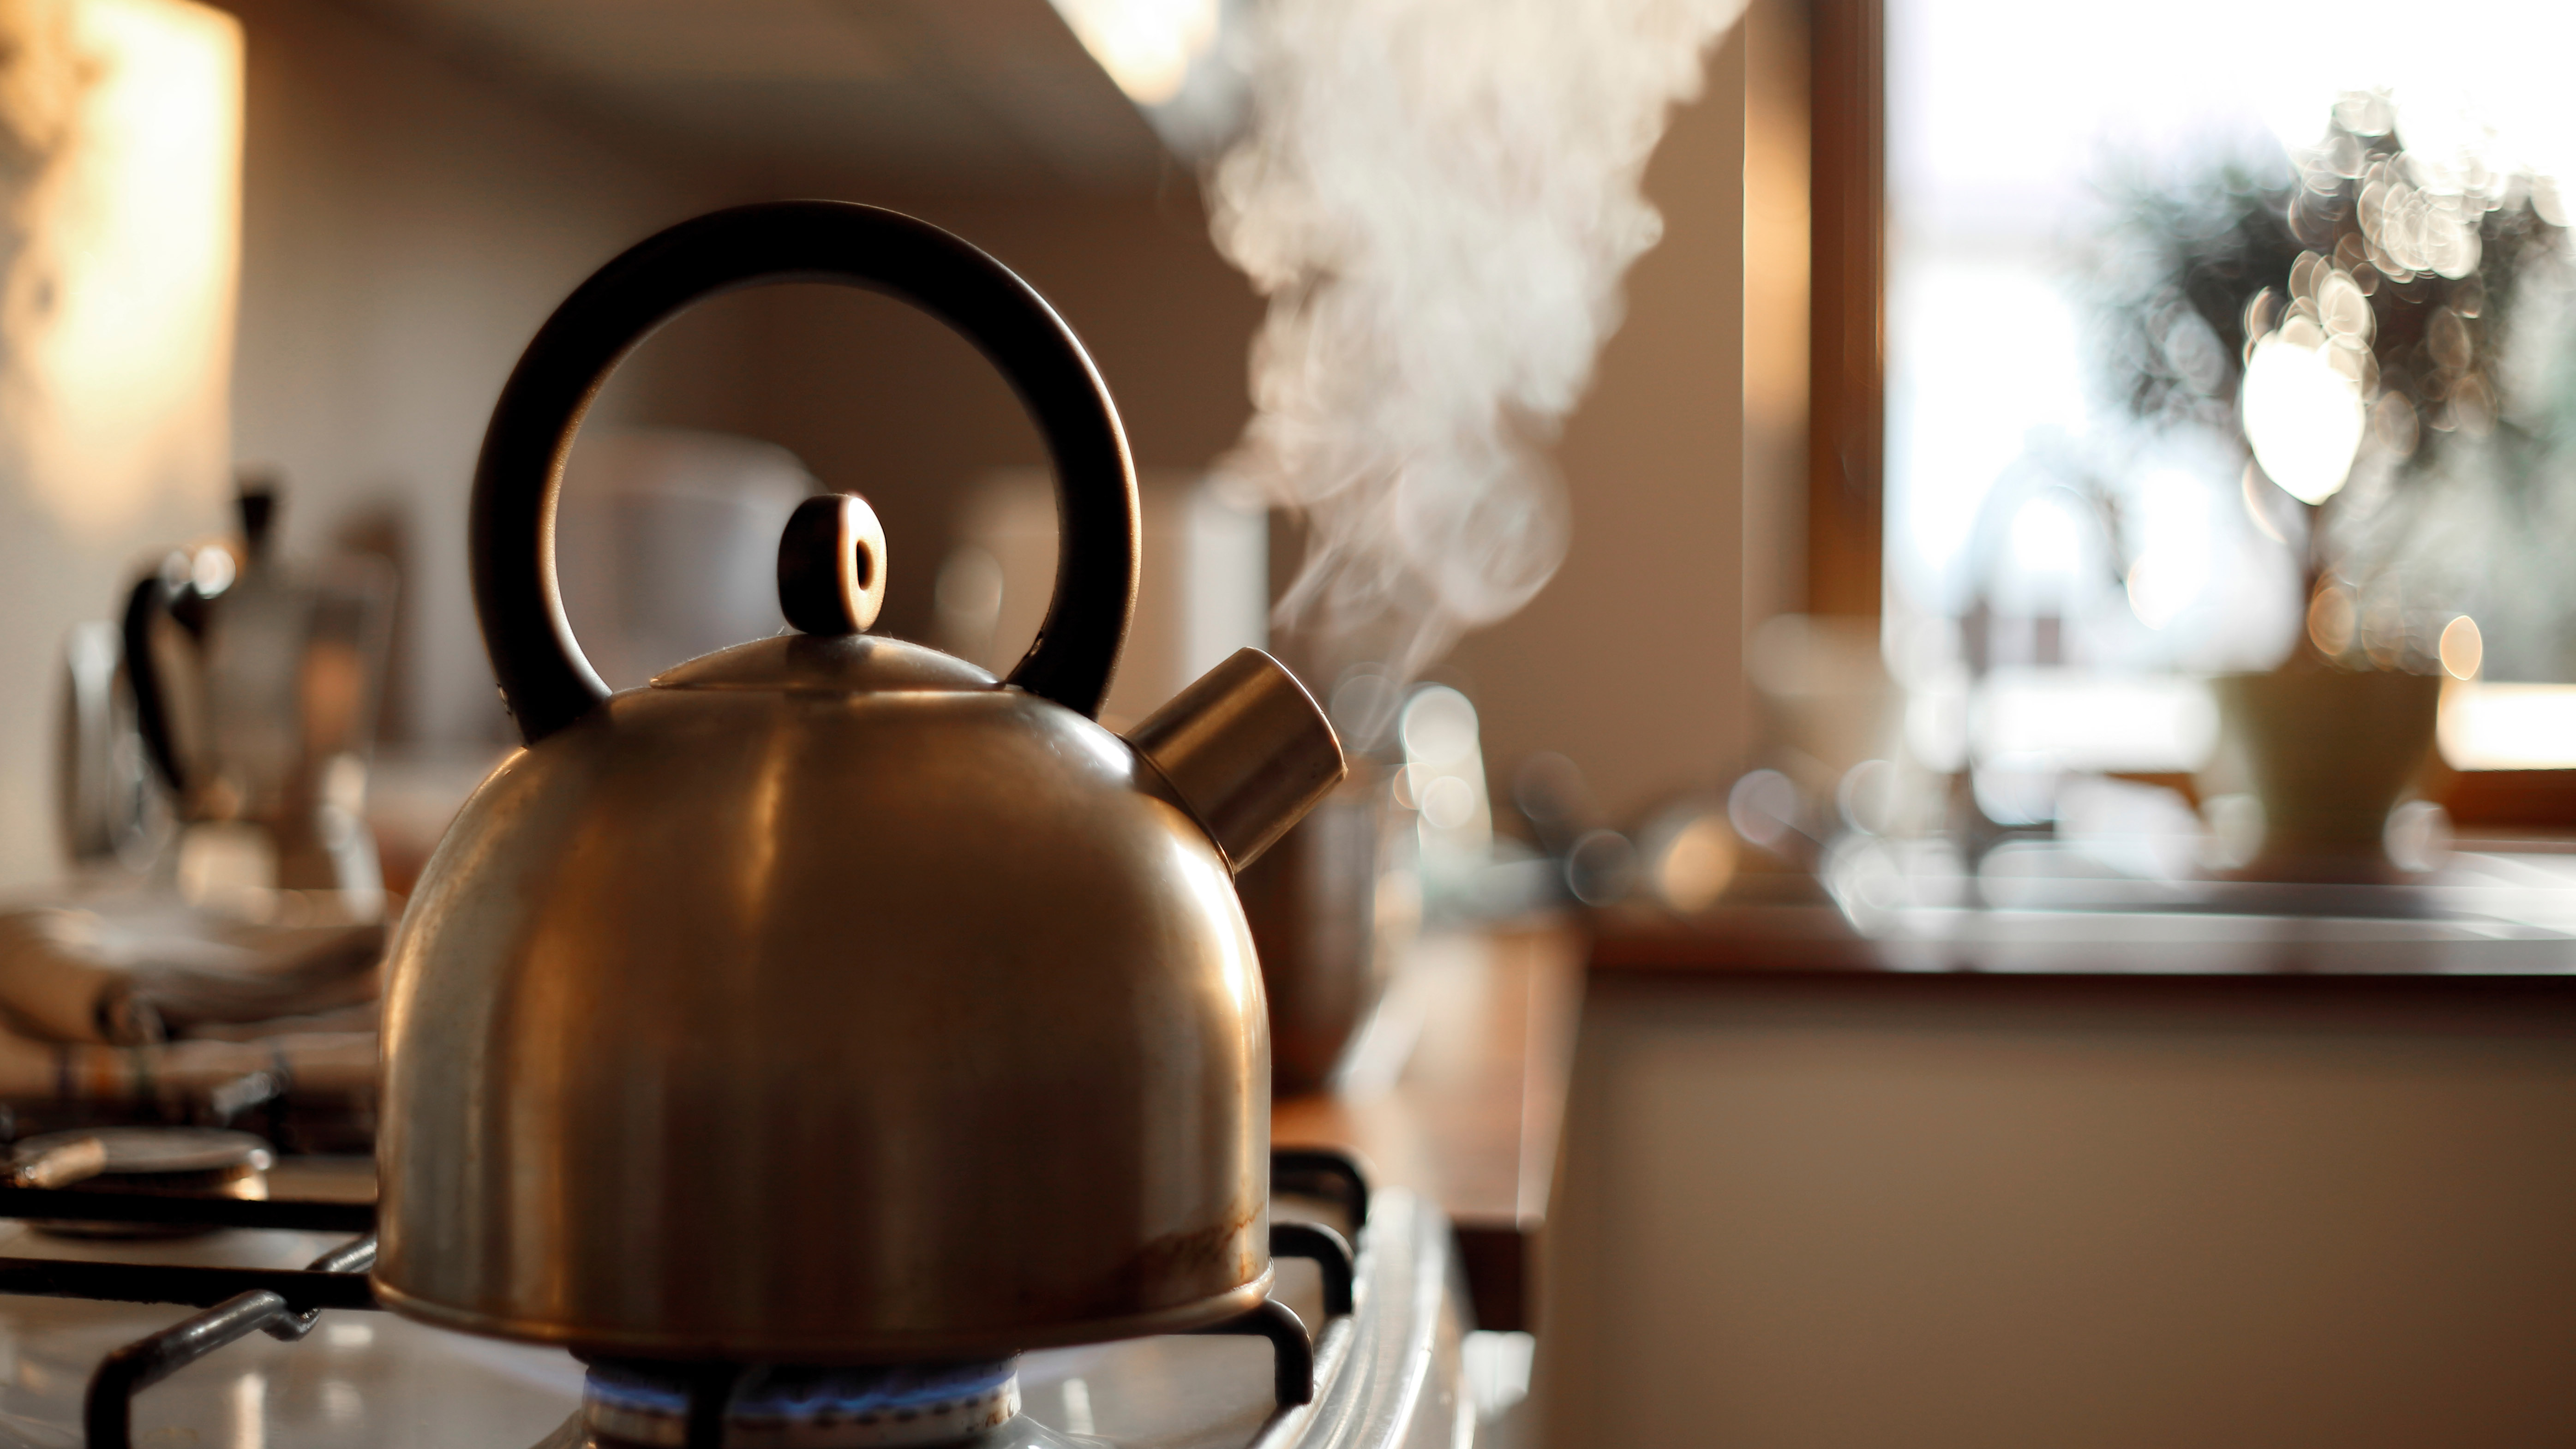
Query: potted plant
{"points": [[2374, 332]]}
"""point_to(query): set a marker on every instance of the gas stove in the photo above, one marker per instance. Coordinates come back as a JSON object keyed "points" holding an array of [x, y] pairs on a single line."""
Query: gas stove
{"points": [[289, 1352]]}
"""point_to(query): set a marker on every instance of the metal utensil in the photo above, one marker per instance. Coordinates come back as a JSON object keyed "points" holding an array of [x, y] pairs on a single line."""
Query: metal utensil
{"points": [[255, 686]]}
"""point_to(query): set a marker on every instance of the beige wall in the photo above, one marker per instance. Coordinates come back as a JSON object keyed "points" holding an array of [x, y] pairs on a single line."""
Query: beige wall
{"points": [[1964, 1213], [405, 227], [1630, 662]]}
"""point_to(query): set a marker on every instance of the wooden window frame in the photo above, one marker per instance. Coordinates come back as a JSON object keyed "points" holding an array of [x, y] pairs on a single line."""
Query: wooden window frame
{"points": [[1847, 313]]}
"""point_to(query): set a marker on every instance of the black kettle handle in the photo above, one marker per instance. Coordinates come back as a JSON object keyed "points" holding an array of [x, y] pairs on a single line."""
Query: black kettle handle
{"points": [[544, 678]]}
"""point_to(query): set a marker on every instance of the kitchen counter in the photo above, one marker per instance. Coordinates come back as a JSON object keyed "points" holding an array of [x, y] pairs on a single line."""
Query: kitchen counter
{"points": [[2092, 1167], [1457, 1090], [1816, 941], [1460, 1088], [2486, 915]]}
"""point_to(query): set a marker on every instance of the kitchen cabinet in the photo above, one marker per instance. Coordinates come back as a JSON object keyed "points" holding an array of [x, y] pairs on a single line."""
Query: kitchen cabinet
{"points": [[1809, 1201]]}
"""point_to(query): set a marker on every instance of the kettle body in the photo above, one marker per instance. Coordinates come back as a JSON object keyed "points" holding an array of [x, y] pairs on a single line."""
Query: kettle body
{"points": [[784, 1054], [828, 999]]}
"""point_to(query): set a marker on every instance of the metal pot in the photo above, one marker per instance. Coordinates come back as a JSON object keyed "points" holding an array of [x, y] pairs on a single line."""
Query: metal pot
{"points": [[827, 1000]]}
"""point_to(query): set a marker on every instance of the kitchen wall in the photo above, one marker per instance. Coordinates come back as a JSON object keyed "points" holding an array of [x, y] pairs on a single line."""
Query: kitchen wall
{"points": [[1631, 661], [406, 225]]}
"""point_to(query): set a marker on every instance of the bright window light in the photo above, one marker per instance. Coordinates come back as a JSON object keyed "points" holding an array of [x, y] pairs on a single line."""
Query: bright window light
{"points": [[2073, 720], [2024, 138], [2508, 726], [2303, 416], [1147, 46], [120, 309]]}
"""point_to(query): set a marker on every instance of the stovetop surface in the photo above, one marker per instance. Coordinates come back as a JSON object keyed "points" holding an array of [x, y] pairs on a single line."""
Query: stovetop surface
{"points": [[385, 1382]]}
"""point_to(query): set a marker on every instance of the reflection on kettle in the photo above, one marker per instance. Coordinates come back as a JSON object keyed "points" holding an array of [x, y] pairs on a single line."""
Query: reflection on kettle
{"points": [[914, 1007], [255, 685]]}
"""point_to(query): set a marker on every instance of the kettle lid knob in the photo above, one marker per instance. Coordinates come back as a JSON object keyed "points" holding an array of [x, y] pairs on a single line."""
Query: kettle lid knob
{"points": [[832, 565]]}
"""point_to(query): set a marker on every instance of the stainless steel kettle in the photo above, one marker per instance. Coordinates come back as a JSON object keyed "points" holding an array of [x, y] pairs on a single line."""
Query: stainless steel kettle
{"points": [[255, 684], [828, 1000]]}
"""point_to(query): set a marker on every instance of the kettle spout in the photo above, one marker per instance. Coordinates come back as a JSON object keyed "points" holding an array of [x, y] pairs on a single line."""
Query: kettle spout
{"points": [[1246, 750]]}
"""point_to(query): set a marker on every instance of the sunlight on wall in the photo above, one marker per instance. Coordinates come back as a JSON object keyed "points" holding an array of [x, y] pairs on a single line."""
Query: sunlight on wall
{"points": [[1147, 46], [119, 306]]}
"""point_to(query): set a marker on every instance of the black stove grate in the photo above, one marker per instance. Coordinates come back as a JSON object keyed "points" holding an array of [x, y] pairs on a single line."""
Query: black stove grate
{"points": [[72, 1204], [286, 1307], [283, 1302], [286, 1303]]}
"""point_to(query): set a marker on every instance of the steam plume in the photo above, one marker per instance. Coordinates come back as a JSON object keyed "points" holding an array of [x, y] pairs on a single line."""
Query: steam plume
{"points": [[1439, 198]]}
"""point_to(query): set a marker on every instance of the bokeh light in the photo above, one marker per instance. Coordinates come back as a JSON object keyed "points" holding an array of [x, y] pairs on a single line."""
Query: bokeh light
{"points": [[2462, 648], [2303, 416], [2334, 620], [1696, 864]]}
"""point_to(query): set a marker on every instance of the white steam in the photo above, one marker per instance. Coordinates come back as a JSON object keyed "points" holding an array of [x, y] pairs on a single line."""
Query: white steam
{"points": [[1439, 198]]}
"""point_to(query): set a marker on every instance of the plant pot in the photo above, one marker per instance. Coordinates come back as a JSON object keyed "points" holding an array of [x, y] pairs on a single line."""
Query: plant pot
{"points": [[2328, 753]]}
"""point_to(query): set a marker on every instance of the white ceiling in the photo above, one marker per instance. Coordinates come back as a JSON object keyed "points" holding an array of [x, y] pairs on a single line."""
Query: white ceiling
{"points": [[965, 94]]}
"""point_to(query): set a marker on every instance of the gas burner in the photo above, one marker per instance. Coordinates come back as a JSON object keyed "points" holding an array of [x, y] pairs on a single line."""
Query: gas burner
{"points": [[627, 1404], [147, 1161], [647, 1405], [1324, 1366]]}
